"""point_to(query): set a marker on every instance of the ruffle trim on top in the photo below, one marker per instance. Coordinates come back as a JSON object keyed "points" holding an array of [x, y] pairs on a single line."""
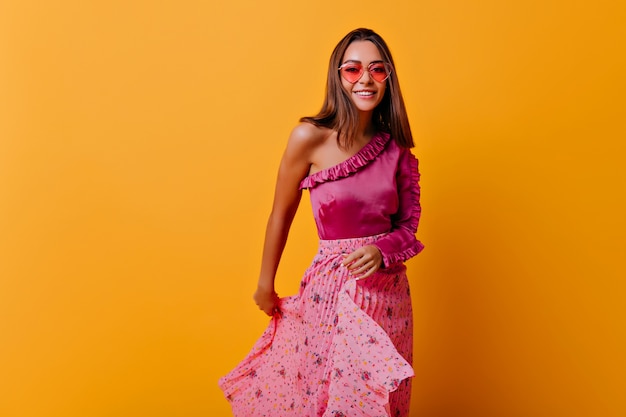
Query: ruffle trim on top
{"points": [[351, 165], [415, 194]]}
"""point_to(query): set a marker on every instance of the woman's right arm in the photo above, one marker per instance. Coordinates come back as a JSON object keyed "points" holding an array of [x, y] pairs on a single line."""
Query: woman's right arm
{"points": [[294, 166]]}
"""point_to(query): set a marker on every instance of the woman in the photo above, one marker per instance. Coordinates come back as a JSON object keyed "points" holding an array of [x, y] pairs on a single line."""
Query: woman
{"points": [[343, 345]]}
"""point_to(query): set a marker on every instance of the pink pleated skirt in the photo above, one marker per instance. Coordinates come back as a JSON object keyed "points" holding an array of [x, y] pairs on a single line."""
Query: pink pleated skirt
{"points": [[340, 347]]}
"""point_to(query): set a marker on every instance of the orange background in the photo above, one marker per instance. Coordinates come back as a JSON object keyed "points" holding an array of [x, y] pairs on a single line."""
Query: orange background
{"points": [[139, 142]]}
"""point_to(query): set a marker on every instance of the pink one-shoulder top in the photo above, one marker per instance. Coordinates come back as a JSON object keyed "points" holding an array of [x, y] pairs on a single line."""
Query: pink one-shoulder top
{"points": [[376, 191]]}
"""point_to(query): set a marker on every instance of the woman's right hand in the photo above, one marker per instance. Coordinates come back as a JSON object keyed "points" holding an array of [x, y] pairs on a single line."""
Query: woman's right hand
{"points": [[267, 300]]}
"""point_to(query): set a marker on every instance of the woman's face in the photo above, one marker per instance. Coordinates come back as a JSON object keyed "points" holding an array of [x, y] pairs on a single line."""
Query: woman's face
{"points": [[366, 92]]}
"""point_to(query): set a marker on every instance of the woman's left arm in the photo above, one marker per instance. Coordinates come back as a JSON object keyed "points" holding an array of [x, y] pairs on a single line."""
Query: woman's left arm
{"points": [[400, 243]]}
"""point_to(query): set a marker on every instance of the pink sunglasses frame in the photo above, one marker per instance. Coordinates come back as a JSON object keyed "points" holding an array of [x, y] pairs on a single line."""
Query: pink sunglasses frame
{"points": [[388, 69]]}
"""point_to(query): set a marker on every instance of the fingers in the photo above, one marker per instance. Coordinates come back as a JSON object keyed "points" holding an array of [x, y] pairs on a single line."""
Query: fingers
{"points": [[363, 268], [363, 262], [270, 309], [357, 259], [266, 301], [360, 266], [348, 259], [364, 271]]}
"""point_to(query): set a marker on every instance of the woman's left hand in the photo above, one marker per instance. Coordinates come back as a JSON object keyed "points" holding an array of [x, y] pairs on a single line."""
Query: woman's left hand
{"points": [[363, 262]]}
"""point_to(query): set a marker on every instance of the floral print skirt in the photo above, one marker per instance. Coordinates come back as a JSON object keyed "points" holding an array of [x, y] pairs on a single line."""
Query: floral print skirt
{"points": [[340, 347]]}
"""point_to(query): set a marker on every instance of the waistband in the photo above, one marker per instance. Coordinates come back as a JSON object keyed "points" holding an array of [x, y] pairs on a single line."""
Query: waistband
{"points": [[336, 246]]}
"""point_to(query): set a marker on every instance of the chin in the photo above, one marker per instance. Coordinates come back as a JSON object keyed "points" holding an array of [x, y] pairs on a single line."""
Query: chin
{"points": [[365, 108]]}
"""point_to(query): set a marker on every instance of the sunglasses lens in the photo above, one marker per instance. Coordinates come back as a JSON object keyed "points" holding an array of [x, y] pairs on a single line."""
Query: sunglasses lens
{"points": [[351, 72], [379, 72]]}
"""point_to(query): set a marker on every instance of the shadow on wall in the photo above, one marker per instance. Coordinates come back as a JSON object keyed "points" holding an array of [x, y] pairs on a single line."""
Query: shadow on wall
{"points": [[492, 323]]}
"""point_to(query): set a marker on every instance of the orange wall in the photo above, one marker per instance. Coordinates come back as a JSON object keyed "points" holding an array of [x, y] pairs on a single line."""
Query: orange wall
{"points": [[138, 148]]}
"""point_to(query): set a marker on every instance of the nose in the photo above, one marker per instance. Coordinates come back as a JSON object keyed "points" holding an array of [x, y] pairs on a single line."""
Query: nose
{"points": [[366, 77]]}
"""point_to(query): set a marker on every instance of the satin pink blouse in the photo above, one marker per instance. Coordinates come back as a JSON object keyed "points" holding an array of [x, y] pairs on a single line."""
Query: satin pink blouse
{"points": [[376, 191]]}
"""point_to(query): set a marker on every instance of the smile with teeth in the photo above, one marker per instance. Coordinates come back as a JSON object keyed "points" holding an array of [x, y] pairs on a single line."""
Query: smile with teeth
{"points": [[364, 93]]}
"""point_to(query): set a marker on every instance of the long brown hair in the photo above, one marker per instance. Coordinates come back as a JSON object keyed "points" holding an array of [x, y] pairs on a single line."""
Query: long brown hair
{"points": [[339, 112]]}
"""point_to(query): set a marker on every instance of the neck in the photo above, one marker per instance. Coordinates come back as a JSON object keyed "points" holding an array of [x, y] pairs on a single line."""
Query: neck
{"points": [[366, 127]]}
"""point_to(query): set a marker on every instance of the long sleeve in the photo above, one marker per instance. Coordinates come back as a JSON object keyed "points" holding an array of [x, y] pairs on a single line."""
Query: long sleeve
{"points": [[400, 243]]}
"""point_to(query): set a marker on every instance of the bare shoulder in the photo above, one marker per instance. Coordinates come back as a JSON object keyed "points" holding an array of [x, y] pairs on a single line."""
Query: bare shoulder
{"points": [[308, 136], [304, 141]]}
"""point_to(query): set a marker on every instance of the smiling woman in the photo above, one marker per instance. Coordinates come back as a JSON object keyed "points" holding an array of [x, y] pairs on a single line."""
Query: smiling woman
{"points": [[344, 342], [135, 142], [366, 88]]}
